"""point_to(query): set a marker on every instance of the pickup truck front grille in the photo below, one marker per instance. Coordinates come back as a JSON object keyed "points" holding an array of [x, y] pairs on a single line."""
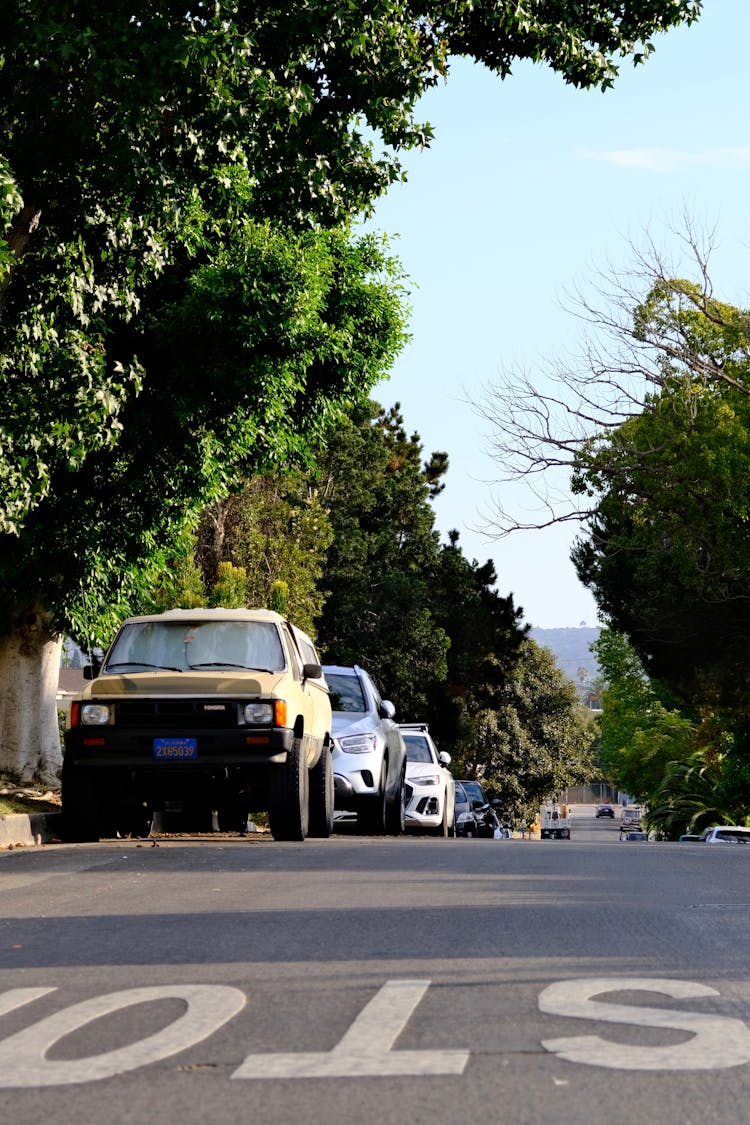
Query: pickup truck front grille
{"points": [[176, 714]]}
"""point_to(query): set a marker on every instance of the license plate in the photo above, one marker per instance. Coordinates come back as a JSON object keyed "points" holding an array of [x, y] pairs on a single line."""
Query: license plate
{"points": [[175, 749]]}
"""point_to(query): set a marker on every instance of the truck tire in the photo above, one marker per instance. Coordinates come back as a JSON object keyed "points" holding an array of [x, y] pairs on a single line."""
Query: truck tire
{"points": [[321, 796], [289, 811]]}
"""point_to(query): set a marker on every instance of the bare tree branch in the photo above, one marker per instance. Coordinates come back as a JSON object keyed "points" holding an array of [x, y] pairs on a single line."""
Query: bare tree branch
{"points": [[639, 341]]}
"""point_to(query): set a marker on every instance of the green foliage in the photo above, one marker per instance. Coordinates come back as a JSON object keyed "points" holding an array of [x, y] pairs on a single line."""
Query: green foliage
{"points": [[697, 793], [666, 553], [284, 358], [383, 557], [278, 530], [535, 742], [641, 735], [485, 631], [689, 770], [156, 126], [230, 590]]}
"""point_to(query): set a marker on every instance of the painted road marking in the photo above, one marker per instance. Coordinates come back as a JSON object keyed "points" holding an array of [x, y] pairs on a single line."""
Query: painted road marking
{"points": [[718, 1041], [23, 1059], [365, 1049]]}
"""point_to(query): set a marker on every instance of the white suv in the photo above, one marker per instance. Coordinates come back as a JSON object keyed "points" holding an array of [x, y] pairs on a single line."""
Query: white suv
{"points": [[725, 834], [430, 788], [369, 756]]}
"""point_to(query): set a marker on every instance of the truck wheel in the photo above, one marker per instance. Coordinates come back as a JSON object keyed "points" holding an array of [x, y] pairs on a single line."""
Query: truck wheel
{"points": [[395, 812], [289, 811], [371, 815], [81, 811], [321, 796]]}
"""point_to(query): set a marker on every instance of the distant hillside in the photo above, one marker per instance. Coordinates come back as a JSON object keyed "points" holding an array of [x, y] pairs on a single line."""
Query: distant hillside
{"points": [[570, 647]]}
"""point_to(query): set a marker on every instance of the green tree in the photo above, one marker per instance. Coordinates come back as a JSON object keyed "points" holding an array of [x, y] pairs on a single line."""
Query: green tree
{"points": [[642, 732], [485, 630], [697, 793], [383, 556], [277, 529], [270, 319], [666, 550], [173, 311], [535, 742]]}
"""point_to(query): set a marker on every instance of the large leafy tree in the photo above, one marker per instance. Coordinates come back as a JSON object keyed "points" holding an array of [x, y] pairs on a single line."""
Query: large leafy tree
{"points": [[146, 148], [666, 549]]}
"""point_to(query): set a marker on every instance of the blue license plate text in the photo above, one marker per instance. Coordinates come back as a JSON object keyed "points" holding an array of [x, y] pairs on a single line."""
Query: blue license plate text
{"points": [[175, 749]]}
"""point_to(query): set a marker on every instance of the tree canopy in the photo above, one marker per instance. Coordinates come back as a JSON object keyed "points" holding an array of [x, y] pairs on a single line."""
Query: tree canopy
{"points": [[383, 556], [666, 550], [181, 300]]}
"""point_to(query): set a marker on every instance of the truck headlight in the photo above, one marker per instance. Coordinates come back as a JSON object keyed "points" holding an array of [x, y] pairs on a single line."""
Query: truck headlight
{"points": [[259, 713], [95, 715]]}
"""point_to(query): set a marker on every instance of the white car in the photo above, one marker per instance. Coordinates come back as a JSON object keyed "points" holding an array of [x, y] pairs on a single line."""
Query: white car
{"points": [[369, 756], [430, 788], [725, 834]]}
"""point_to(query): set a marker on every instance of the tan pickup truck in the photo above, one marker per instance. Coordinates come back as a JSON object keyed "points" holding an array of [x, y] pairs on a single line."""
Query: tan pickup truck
{"points": [[202, 711]]}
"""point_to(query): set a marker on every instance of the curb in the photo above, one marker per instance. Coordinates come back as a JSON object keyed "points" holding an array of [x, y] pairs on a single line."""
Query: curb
{"points": [[23, 830]]}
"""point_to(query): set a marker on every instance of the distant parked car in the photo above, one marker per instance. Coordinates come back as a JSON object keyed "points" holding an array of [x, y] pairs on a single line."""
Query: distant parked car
{"points": [[369, 755], [689, 837], [725, 834], [480, 818], [632, 817], [605, 810], [635, 836], [430, 788]]}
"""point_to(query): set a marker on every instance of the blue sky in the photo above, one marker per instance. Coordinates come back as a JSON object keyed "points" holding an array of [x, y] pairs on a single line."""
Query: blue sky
{"points": [[528, 189]]}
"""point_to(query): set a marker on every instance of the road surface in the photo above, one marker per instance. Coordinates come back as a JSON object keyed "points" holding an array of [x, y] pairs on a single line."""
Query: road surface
{"points": [[376, 981]]}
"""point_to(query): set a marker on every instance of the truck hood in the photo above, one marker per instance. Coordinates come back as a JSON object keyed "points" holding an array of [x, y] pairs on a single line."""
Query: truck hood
{"points": [[213, 682]]}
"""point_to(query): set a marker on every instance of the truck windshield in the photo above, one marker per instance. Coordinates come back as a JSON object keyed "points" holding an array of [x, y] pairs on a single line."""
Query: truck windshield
{"points": [[196, 645]]}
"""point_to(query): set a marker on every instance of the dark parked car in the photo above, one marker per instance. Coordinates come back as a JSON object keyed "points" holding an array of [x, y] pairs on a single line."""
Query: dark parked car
{"points": [[475, 816]]}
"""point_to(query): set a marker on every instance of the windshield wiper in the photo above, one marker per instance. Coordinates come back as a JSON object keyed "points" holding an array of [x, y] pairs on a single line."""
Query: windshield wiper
{"points": [[228, 664], [142, 664]]}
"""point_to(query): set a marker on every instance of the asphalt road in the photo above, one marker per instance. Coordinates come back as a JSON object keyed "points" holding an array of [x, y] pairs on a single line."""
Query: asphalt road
{"points": [[415, 980]]}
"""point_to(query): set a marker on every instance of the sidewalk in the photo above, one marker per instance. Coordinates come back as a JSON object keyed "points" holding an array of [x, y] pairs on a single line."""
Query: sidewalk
{"points": [[23, 830]]}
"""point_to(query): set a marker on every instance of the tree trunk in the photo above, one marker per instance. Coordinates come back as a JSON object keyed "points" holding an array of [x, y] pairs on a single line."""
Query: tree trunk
{"points": [[29, 674]]}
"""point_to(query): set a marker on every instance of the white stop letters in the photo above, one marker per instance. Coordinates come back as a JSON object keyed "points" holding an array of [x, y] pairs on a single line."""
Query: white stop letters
{"points": [[23, 1059], [718, 1041]]}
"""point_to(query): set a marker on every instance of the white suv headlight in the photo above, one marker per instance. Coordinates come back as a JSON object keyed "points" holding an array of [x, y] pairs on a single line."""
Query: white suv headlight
{"points": [[94, 715], [426, 779], [358, 743]]}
